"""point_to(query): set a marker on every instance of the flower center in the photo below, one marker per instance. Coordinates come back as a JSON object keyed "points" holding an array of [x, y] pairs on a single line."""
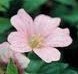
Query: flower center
{"points": [[35, 41]]}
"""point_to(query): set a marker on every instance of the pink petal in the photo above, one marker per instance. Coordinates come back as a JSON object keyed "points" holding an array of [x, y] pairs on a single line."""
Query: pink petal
{"points": [[18, 23], [18, 41], [4, 51], [29, 24], [59, 38], [48, 54], [23, 22], [22, 60], [45, 24]]}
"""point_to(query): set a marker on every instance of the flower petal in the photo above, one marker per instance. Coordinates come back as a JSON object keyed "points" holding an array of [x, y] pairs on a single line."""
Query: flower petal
{"points": [[23, 22], [18, 42], [18, 23], [48, 54], [4, 51], [59, 38], [29, 24], [45, 24], [22, 60]]}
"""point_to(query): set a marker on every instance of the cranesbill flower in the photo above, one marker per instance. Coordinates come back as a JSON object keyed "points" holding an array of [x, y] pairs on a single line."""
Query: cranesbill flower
{"points": [[41, 35]]}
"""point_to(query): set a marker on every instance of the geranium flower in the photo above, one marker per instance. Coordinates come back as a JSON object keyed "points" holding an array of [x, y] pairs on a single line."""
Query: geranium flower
{"points": [[6, 53], [41, 35]]}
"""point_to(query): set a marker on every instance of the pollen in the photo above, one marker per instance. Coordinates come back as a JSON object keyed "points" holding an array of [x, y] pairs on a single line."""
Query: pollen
{"points": [[35, 42]]}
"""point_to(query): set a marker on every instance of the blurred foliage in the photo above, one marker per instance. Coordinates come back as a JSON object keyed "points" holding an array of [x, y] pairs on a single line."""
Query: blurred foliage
{"points": [[4, 24], [4, 4], [66, 2], [67, 10], [11, 68], [31, 5], [37, 66], [4, 28]]}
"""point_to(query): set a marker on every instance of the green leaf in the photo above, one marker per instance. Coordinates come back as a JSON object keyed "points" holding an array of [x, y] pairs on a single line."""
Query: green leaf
{"points": [[4, 28], [69, 71], [35, 63], [34, 66], [31, 5], [56, 68], [37, 66], [11, 68], [66, 2], [4, 25], [33, 56], [4, 4]]}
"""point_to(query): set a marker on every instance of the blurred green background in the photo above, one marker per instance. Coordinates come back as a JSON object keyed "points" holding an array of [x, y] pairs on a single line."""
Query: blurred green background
{"points": [[67, 10]]}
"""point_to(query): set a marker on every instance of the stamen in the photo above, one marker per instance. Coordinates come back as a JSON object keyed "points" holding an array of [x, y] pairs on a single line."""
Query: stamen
{"points": [[36, 42]]}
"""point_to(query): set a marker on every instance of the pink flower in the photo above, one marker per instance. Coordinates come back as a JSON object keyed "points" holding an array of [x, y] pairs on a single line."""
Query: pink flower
{"points": [[41, 35], [6, 53]]}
